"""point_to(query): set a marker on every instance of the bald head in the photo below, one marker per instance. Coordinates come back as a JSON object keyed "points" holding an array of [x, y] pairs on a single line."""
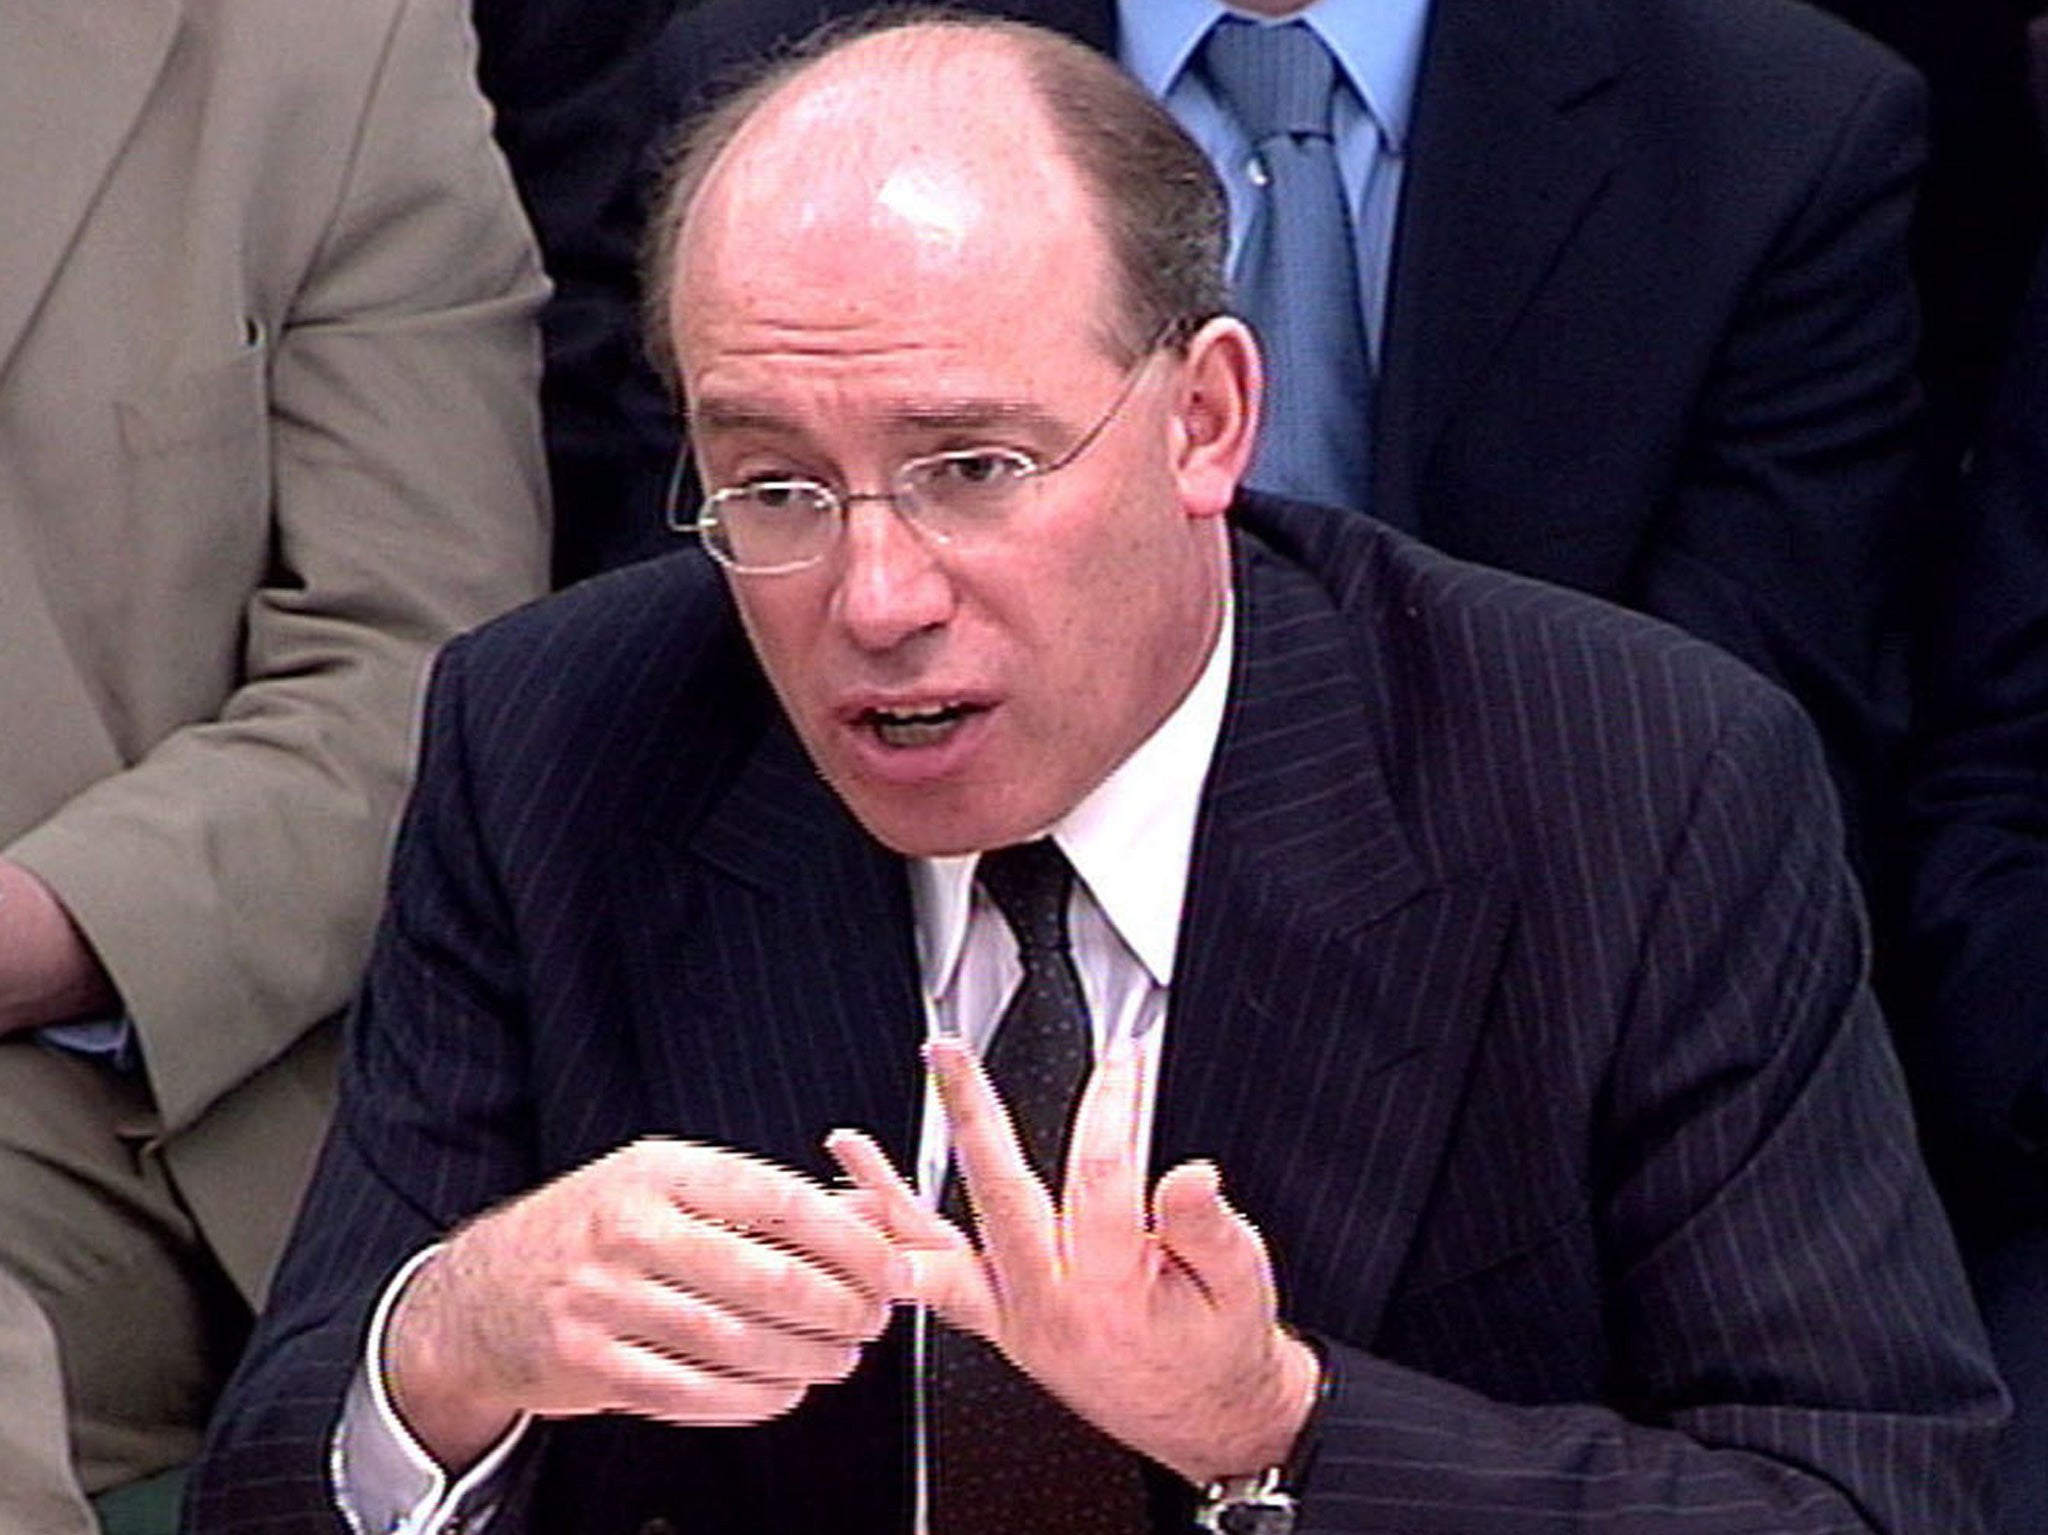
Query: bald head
{"points": [[893, 146], [900, 168]]}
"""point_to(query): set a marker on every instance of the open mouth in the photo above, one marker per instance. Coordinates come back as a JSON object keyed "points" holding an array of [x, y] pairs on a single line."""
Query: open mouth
{"points": [[907, 728]]}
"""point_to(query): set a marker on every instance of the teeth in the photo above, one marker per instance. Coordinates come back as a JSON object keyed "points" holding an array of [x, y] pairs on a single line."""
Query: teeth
{"points": [[918, 717], [921, 727]]}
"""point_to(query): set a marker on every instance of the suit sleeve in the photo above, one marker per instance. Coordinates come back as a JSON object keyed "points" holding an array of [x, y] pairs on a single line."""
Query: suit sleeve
{"points": [[1787, 1341], [1785, 536], [228, 880], [432, 1126]]}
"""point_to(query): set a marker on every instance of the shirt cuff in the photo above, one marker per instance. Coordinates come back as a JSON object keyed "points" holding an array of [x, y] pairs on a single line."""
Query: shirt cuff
{"points": [[111, 1041], [384, 1483]]}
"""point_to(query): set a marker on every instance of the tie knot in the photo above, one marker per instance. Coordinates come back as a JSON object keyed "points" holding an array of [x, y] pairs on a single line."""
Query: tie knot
{"points": [[1030, 883], [1274, 80]]}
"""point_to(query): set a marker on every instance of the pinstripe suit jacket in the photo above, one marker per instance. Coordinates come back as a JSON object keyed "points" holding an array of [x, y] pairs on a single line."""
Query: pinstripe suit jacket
{"points": [[1521, 1002]]}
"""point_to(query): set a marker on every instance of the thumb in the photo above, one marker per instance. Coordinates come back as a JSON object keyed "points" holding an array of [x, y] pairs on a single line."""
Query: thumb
{"points": [[1220, 1250]]}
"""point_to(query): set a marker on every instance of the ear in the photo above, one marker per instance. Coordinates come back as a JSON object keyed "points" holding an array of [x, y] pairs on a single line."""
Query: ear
{"points": [[1216, 419]]}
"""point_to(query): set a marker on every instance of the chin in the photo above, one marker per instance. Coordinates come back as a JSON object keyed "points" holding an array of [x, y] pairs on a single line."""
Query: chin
{"points": [[918, 825]]}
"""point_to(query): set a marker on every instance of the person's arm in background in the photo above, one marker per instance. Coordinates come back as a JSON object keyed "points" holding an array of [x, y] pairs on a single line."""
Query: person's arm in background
{"points": [[48, 973], [1785, 539], [227, 880]]}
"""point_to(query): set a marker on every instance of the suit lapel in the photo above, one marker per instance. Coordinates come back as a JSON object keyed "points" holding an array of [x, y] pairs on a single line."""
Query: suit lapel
{"points": [[1511, 141], [793, 1004], [59, 53], [1330, 983]]}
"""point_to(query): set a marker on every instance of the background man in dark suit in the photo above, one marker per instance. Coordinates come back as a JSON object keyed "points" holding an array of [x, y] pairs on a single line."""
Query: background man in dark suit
{"points": [[1978, 217], [1491, 946], [1635, 274], [1972, 1008], [570, 85]]}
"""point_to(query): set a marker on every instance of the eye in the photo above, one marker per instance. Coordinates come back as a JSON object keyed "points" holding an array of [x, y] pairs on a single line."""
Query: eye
{"points": [[782, 495], [975, 469]]}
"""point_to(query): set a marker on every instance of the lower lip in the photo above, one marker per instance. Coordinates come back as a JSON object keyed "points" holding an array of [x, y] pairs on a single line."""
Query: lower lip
{"points": [[909, 766]]}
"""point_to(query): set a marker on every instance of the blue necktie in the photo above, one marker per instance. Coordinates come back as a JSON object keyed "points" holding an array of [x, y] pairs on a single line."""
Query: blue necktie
{"points": [[1297, 277], [1006, 1457]]}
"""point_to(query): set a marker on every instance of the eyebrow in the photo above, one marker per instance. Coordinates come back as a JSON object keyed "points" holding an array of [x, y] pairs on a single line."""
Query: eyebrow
{"points": [[962, 415]]}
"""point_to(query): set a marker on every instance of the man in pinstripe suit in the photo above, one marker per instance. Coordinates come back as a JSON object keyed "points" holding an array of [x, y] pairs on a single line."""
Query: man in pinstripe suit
{"points": [[1491, 947]]}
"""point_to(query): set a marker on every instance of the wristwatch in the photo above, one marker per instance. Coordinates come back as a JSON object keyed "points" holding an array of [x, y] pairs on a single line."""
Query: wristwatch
{"points": [[1247, 1505]]}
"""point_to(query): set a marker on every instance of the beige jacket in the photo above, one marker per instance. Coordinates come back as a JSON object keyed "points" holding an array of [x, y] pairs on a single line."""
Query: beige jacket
{"points": [[268, 433]]}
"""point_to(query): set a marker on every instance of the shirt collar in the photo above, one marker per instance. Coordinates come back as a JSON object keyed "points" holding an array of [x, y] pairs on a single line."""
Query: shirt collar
{"points": [[1377, 43], [1129, 840]]}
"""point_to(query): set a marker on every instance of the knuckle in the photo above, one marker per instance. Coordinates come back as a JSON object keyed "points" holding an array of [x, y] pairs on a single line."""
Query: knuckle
{"points": [[784, 1285], [1098, 1167], [616, 1229], [778, 1208]]}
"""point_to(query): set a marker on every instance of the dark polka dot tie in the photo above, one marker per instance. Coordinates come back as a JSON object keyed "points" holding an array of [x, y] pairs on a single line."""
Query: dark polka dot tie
{"points": [[1006, 1456]]}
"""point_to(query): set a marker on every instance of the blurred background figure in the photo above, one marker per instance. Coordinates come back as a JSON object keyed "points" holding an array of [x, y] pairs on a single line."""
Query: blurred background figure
{"points": [[1971, 992], [1980, 210], [267, 435], [571, 85]]}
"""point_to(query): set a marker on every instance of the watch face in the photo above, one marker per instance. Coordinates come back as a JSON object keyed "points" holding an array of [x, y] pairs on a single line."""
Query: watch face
{"points": [[1258, 1519]]}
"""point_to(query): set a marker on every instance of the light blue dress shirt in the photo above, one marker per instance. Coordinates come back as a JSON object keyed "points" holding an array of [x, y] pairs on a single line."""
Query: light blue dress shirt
{"points": [[1378, 48]]}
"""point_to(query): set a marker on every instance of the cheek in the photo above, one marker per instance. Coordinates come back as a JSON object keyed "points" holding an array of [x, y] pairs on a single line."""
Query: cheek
{"points": [[781, 624]]}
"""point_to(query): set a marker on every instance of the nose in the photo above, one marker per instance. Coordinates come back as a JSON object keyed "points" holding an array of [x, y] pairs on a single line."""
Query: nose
{"points": [[891, 586]]}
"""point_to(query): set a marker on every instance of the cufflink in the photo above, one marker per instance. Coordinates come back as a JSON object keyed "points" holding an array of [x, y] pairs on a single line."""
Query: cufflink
{"points": [[1247, 1505]]}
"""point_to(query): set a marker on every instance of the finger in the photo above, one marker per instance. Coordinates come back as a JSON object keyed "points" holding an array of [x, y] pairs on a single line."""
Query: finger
{"points": [[649, 1383], [774, 1205], [694, 1330], [1013, 1213], [647, 1237], [864, 1206], [902, 1214], [941, 1269], [1103, 1218], [1220, 1251]]}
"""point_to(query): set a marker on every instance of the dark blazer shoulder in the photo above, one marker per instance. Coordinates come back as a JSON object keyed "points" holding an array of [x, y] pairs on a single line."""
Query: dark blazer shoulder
{"points": [[584, 703], [1766, 77], [1482, 691], [1391, 583]]}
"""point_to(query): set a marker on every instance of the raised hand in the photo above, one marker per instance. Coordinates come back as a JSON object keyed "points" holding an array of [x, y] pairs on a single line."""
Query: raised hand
{"points": [[678, 1281], [1157, 1320]]}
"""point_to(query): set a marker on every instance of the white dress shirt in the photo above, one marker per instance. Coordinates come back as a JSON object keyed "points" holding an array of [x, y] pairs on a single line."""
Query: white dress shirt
{"points": [[1378, 48], [1129, 842]]}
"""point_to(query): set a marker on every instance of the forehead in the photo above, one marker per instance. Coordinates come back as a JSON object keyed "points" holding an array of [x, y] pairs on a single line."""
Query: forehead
{"points": [[912, 202]]}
